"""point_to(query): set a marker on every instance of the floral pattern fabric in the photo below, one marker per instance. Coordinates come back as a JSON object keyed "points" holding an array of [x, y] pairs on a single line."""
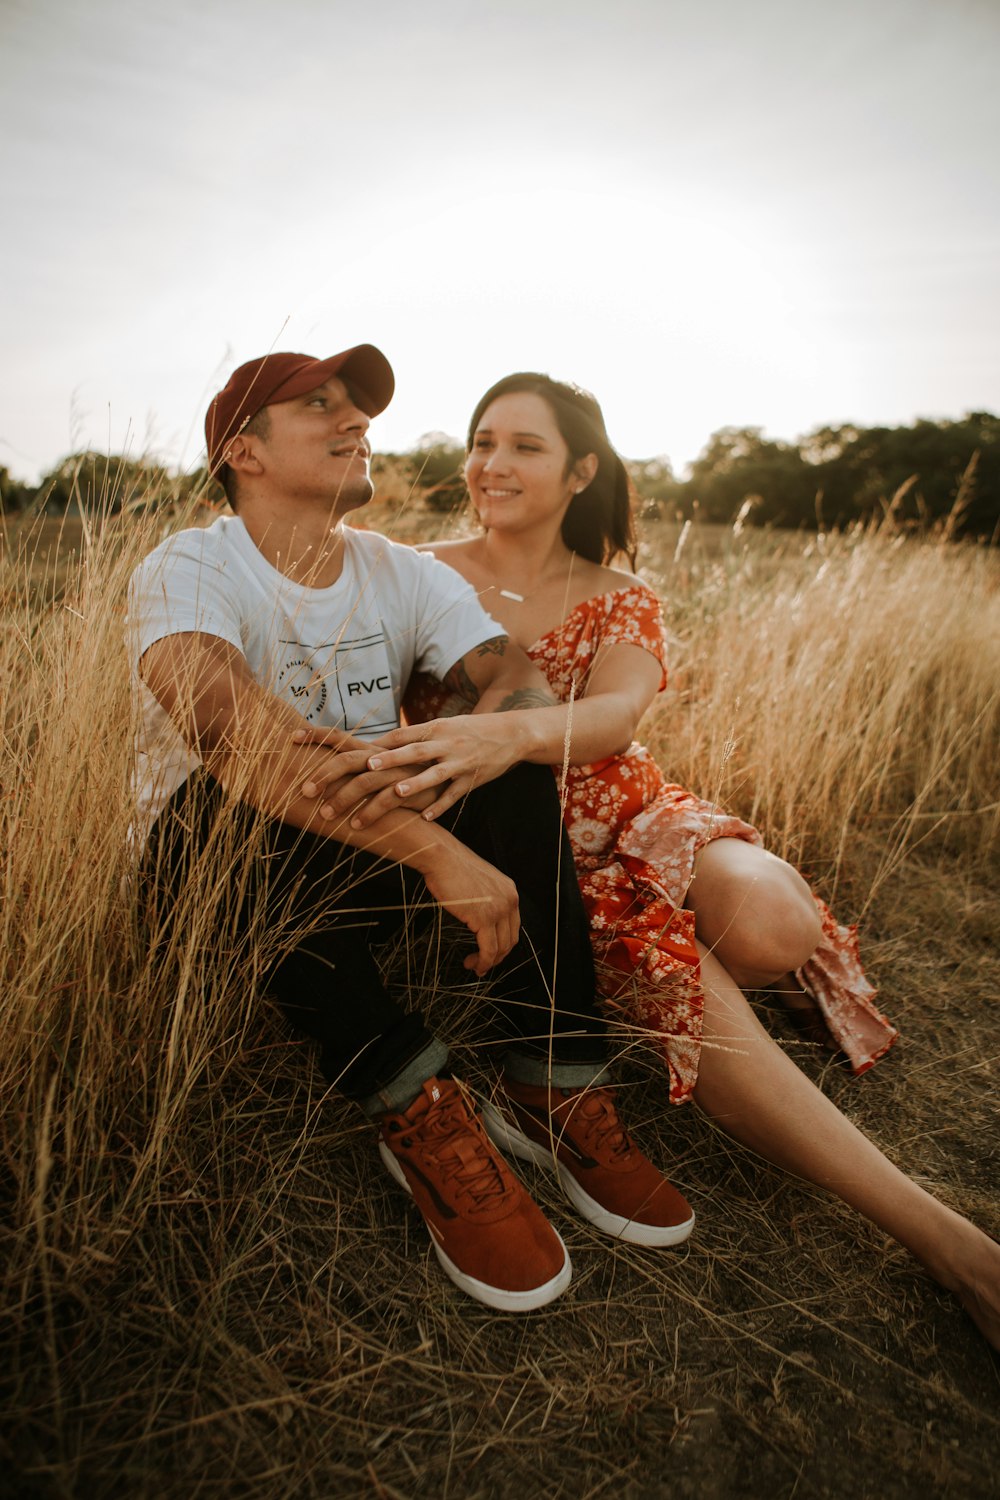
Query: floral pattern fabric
{"points": [[634, 837]]}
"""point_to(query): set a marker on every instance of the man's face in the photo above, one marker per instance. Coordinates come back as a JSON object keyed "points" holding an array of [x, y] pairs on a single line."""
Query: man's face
{"points": [[317, 447]]}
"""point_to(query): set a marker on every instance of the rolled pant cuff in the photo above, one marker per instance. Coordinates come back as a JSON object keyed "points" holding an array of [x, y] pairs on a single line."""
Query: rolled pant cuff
{"points": [[523, 1067], [401, 1090]]}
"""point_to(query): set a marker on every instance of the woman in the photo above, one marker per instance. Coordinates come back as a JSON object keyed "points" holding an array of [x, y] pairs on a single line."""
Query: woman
{"points": [[687, 909]]}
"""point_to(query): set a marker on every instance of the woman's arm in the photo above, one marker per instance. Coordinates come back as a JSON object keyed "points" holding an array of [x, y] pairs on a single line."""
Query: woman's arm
{"points": [[457, 754]]}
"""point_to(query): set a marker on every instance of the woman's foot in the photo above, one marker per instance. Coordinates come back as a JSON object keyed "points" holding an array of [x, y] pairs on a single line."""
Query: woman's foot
{"points": [[972, 1272], [979, 1291], [804, 1016]]}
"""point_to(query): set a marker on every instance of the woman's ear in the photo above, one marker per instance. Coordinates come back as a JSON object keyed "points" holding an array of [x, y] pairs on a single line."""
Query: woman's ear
{"points": [[585, 470]]}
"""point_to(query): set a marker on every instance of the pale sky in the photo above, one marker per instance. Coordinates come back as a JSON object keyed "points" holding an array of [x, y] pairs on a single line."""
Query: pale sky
{"points": [[710, 212]]}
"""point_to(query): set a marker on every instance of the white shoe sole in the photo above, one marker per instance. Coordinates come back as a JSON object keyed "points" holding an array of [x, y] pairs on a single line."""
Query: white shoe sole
{"points": [[492, 1296], [504, 1133]]}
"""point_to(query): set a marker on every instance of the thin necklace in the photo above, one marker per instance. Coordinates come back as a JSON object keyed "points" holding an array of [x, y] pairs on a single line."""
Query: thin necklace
{"points": [[517, 598]]}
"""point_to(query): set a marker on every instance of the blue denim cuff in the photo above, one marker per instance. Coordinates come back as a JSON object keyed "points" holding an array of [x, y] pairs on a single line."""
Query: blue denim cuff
{"points": [[401, 1090], [530, 1068]]}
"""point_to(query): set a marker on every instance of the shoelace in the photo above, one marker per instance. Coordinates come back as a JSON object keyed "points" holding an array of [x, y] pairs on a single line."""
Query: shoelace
{"points": [[595, 1111], [451, 1136]]}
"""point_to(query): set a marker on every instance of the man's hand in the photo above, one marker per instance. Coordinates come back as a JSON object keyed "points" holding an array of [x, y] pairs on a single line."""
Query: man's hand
{"points": [[469, 888], [492, 678], [438, 763], [336, 770], [246, 738], [455, 754], [348, 783], [480, 897]]}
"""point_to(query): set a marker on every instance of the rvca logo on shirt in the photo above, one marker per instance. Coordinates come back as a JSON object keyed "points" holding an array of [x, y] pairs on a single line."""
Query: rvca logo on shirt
{"points": [[302, 683], [345, 683]]}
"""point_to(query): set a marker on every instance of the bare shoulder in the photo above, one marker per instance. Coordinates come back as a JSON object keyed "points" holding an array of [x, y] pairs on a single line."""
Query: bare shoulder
{"points": [[448, 551], [613, 579], [593, 580], [463, 556]]}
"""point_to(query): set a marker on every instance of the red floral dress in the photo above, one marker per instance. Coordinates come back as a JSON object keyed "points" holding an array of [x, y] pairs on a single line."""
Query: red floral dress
{"points": [[634, 839]]}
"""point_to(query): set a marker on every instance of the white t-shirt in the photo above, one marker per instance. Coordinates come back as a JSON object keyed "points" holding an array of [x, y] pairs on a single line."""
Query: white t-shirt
{"points": [[341, 656]]}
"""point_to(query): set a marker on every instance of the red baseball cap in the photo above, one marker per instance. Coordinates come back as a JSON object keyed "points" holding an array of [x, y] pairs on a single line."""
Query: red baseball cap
{"points": [[278, 377]]}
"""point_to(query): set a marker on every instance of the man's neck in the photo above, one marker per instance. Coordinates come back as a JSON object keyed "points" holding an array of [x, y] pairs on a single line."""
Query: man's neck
{"points": [[308, 547]]}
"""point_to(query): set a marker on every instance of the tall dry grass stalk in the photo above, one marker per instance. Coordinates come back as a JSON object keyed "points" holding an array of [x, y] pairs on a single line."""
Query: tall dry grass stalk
{"points": [[109, 1024], [207, 1286], [851, 689]]}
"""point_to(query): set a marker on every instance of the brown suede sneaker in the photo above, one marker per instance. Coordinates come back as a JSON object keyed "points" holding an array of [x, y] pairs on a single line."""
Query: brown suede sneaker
{"points": [[577, 1133], [491, 1238]]}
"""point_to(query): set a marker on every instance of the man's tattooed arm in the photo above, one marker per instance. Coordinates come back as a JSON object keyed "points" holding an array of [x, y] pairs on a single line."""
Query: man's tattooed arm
{"points": [[465, 694], [495, 646], [526, 698], [459, 682]]}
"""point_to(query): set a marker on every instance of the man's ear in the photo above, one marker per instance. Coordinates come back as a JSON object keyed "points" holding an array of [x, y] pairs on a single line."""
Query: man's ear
{"points": [[242, 455], [585, 470]]}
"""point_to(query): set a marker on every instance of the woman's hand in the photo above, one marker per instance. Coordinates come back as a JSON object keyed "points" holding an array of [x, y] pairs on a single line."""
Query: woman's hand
{"points": [[349, 785], [455, 754]]}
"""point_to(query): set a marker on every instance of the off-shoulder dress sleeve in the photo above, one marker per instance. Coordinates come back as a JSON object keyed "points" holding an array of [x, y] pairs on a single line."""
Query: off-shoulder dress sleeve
{"points": [[635, 618]]}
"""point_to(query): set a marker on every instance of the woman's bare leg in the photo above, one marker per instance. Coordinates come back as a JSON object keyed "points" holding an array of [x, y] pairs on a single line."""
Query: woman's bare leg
{"points": [[754, 912], [758, 917], [757, 1095]]}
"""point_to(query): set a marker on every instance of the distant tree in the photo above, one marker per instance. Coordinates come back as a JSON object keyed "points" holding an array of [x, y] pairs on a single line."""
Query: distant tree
{"points": [[438, 462], [104, 482], [13, 494], [738, 463], [198, 483], [826, 444], [659, 490], [921, 472], [944, 473]]}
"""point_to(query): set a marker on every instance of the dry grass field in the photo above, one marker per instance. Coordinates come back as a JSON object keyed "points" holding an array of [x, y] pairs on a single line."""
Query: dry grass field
{"points": [[212, 1289]]}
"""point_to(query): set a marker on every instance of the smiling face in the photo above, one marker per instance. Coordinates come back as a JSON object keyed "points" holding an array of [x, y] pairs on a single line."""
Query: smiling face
{"points": [[519, 470], [314, 446]]}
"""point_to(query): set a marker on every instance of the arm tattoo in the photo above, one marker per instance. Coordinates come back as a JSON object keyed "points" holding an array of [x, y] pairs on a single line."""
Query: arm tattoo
{"points": [[527, 698], [458, 681], [495, 646]]}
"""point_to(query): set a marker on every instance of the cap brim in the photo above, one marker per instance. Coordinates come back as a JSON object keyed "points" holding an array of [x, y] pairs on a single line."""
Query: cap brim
{"points": [[366, 367]]}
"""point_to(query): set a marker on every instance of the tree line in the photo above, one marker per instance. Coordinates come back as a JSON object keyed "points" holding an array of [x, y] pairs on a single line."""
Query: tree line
{"points": [[945, 473], [930, 472], [927, 473]]}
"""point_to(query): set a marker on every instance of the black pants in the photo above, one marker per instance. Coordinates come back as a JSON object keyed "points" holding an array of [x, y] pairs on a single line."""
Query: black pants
{"points": [[336, 903]]}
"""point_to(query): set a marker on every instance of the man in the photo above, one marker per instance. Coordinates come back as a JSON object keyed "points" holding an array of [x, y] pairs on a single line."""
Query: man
{"points": [[280, 617]]}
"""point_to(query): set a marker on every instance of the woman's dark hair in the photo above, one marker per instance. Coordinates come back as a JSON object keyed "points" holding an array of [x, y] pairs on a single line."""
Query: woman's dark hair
{"points": [[598, 524]]}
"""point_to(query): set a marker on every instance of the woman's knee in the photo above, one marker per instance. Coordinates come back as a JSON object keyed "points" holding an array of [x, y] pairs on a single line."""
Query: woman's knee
{"points": [[790, 930], [758, 915]]}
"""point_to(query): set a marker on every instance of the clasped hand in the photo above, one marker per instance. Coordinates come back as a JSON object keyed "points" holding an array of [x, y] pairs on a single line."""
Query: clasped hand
{"points": [[482, 898], [455, 754]]}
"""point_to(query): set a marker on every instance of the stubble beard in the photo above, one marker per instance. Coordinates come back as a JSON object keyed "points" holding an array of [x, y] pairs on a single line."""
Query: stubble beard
{"points": [[354, 493]]}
